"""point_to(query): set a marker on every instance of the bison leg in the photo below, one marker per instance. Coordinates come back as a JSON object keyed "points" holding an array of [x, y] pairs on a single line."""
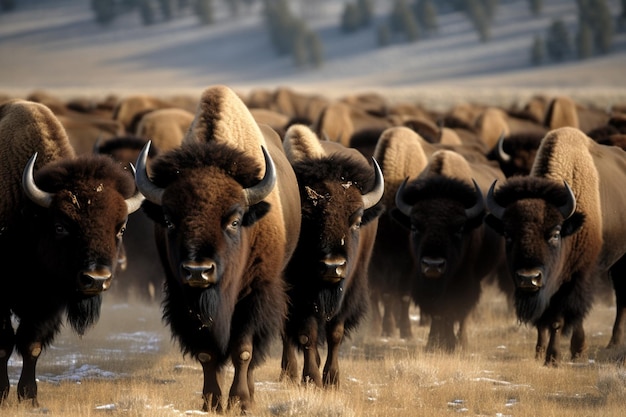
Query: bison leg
{"points": [[543, 335], [27, 385], [619, 285], [240, 390], [334, 337], [552, 352], [578, 345], [403, 319], [462, 338], [211, 390], [289, 361], [308, 341], [7, 342], [389, 316]]}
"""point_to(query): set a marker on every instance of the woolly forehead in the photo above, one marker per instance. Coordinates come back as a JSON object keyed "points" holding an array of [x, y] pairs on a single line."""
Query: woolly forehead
{"points": [[531, 187], [192, 156], [83, 171], [340, 168], [439, 187]]}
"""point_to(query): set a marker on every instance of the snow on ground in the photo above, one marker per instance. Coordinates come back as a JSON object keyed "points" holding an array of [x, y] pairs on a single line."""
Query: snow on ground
{"points": [[57, 45]]}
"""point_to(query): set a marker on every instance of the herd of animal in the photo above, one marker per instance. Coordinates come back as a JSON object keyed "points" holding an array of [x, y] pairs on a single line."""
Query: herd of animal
{"points": [[278, 214]]}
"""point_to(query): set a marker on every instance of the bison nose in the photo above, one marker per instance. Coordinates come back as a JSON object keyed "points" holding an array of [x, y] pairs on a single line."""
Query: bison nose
{"points": [[94, 281], [199, 274], [529, 279], [333, 269], [433, 267]]}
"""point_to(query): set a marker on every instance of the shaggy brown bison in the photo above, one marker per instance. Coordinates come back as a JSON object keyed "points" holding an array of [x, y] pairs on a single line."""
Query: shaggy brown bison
{"points": [[453, 251], [327, 275], [60, 235], [563, 229], [141, 275], [227, 215], [400, 154]]}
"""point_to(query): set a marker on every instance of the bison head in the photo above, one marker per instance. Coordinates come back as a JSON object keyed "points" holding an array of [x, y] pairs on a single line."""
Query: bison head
{"points": [[205, 198], [442, 213], [536, 216], [79, 215], [339, 196]]}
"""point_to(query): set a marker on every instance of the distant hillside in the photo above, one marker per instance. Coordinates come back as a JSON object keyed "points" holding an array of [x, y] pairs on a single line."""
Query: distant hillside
{"points": [[58, 45]]}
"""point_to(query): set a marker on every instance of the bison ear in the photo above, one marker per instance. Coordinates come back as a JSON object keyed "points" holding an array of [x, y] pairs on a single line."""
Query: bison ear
{"points": [[402, 219], [572, 224], [495, 223], [255, 213], [372, 213]]}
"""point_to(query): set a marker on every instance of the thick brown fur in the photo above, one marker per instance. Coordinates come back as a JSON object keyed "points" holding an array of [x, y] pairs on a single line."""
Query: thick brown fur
{"points": [[400, 154], [59, 256], [337, 234], [166, 128], [590, 241], [452, 250], [203, 215]]}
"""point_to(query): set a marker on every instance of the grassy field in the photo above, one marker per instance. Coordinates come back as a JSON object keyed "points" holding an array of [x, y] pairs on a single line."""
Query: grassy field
{"points": [[127, 366]]}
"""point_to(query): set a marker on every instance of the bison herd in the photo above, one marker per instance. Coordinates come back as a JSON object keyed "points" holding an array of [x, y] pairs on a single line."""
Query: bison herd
{"points": [[283, 215]]}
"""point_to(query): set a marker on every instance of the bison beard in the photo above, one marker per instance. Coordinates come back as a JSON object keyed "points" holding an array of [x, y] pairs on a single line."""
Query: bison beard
{"points": [[530, 306], [207, 306], [329, 300], [84, 313]]}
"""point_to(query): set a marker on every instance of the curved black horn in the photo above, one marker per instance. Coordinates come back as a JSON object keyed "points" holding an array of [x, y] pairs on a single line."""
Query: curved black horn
{"points": [[146, 187], [569, 207], [373, 197], [400, 203], [502, 155], [479, 206], [494, 208], [133, 203], [257, 193], [35, 194]]}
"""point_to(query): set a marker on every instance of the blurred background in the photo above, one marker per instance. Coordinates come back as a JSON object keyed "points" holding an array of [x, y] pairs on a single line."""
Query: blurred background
{"points": [[407, 47]]}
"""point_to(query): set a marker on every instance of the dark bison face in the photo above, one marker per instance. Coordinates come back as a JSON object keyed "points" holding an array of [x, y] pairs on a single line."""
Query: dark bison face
{"points": [[77, 223], [442, 214], [205, 215], [334, 209], [516, 153], [535, 216]]}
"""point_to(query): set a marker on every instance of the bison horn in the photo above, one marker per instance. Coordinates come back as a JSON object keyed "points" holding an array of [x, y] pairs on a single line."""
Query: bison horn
{"points": [[373, 197], [479, 206], [494, 208], [400, 203], [133, 203], [153, 193], [34, 193], [257, 193], [502, 156], [569, 207]]}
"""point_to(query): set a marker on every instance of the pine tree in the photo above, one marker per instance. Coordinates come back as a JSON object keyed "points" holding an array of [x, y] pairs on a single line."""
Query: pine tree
{"points": [[535, 7], [204, 11], [537, 51], [557, 41], [104, 11], [584, 41], [383, 34], [350, 18]]}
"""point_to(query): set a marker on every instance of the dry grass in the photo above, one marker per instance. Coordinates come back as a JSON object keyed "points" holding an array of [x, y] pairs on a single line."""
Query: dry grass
{"points": [[496, 376]]}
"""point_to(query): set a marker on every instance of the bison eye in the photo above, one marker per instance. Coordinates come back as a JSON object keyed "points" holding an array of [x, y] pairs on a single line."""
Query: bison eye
{"points": [[357, 224], [60, 231], [121, 231], [555, 236]]}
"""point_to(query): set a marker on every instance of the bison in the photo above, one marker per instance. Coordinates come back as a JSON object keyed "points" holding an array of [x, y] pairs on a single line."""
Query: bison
{"points": [[327, 275], [563, 231], [227, 215], [60, 236], [453, 251], [400, 154]]}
